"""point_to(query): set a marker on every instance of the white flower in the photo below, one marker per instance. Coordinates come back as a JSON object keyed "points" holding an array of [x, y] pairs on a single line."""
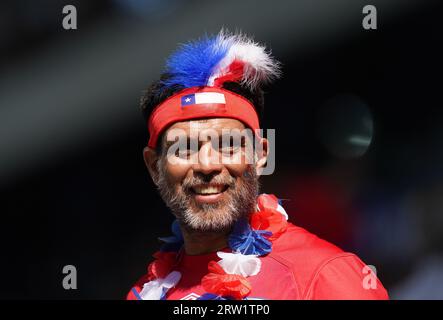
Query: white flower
{"points": [[282, 211], [237, 263], [153, 290]]}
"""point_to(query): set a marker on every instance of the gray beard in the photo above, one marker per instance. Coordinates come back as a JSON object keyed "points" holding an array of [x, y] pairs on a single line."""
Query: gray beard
{"points": [[218, 217]]}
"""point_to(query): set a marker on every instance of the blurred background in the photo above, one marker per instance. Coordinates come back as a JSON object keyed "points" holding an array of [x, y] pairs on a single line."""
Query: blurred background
{"points": [[357, 114]]}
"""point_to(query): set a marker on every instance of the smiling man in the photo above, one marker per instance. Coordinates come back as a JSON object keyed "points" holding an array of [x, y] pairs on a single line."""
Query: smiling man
{"points": [[205, 154], [214, 191]]}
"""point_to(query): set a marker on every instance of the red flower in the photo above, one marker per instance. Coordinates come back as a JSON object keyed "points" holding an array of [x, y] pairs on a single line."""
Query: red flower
{"points": [[268, 218], [267, 201], [162, 265], [218, 282]]}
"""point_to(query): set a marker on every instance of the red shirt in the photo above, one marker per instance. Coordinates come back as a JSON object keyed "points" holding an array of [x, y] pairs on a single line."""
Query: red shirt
{"points": [[300, 266]]}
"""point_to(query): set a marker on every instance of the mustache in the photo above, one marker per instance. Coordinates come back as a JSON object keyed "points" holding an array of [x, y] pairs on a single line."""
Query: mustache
{"points": [[201, 180]]}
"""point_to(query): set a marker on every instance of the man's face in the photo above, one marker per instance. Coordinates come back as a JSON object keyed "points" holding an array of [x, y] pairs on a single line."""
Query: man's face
{"points": [[209, 184]]}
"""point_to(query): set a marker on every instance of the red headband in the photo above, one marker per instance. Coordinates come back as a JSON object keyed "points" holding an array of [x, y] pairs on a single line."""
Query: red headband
{"points": [[197, 103]]}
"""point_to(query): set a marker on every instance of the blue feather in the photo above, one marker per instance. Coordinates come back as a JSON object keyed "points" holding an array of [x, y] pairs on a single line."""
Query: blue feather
{"points": [[193, 63]]}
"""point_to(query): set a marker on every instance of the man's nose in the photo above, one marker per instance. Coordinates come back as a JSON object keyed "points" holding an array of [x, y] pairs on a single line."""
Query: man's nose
{"points": [[208, 160]]}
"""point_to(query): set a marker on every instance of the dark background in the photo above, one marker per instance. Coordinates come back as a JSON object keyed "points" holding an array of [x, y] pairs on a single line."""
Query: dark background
{"points": [[73, 186]]}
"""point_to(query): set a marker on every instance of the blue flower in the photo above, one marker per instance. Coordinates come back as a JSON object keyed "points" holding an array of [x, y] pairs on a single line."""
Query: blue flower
{"points": [[210, 296], [247, 241], [174, 242], [164, 291]]}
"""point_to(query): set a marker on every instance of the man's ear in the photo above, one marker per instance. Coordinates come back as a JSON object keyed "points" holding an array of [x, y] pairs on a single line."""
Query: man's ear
{"points": [[151, 158], [262, 155]]}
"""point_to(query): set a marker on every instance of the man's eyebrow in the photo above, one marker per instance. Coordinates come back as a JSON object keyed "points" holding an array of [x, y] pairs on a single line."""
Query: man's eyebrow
{"points": [[230, 137], [169, 143], [224, 137], [188, 141]]}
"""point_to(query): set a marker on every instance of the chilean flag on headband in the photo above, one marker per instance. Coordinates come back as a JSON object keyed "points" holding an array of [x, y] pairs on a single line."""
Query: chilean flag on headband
{"points": [[203, 98]]}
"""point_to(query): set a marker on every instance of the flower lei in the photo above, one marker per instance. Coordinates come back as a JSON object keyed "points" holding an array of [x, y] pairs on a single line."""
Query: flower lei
{"points": [[227, 278]]}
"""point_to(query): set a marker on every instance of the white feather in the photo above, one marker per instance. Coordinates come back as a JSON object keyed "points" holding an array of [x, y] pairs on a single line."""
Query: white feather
{"points": [[260, 67]]}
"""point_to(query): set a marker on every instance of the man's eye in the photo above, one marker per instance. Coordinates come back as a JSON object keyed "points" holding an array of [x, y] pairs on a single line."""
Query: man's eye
{"points": [[230, 149], [183, 153]]}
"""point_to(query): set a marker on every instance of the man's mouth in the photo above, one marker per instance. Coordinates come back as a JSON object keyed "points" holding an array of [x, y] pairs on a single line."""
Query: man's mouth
{"points": [[209, 193]]}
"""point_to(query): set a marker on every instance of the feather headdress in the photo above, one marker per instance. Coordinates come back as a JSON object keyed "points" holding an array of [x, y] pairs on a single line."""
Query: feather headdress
{"points": [[212, 61]]}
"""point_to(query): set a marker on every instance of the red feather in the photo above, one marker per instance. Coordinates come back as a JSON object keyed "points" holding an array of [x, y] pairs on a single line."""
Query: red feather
{"points": [[234, 73]]}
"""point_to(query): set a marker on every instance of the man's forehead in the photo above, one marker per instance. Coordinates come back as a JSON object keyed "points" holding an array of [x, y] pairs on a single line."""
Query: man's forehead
{"points": [[217, 124]]}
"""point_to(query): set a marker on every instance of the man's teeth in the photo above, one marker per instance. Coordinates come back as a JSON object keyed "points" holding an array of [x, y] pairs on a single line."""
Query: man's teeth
{"points": [[208, 190]]}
